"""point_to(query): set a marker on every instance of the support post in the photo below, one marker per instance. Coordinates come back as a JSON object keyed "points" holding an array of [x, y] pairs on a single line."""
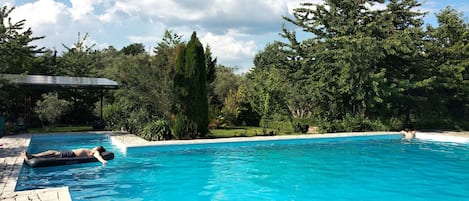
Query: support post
{"points": [[101, 101]]}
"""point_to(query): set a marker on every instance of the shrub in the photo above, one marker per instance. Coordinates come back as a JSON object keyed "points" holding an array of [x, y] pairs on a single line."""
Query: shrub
{"points": [[326, 126], [302, 125], [301, 128], [248, 117], [98, 124], [351, 123], [281, 125], [395, 123], [156, 130], [183, 128], [51, 108], [112, 116]]}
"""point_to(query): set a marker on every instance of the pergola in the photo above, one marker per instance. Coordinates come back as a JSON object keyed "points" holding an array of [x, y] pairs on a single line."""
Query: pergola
{"points": [[45, 81], [61, 81]]}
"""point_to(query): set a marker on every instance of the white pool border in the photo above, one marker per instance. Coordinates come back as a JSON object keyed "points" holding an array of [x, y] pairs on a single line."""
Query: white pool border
{"points": [[442, 137], [125, 141]]}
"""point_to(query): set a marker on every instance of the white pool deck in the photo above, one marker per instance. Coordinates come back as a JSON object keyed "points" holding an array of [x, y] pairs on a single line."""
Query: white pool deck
{"points": [[12, 146]]}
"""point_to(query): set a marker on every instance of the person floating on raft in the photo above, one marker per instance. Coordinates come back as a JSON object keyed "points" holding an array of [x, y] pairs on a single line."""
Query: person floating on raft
{"points": [[95, 152]]}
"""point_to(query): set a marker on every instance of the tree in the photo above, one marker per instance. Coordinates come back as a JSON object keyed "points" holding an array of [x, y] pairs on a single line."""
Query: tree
{"points": [[358, 61], [16, 52], [211, 64], [133, 49], [51, 108], [17, 55], [78, 60], [265, 90], [233, 105], [190, 80], [145, 94], [270, 86], [225, 80], [447, 49], [403, 65]]}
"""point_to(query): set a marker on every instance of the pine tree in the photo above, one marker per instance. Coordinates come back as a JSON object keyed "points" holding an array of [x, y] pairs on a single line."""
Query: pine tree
{"points": [[16, 52], [190, 80]]}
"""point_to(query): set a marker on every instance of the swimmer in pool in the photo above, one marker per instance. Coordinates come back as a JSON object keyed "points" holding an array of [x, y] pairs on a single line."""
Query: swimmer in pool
{"points": [[408, 134], [95, 152]]}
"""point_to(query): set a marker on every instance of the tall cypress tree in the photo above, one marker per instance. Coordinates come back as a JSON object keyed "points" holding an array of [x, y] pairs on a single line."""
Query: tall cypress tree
{"points": [[191, 118]]}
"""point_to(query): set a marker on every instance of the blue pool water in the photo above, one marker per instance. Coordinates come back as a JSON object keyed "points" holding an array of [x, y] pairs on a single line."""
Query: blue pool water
{"points": [[378, 168]]}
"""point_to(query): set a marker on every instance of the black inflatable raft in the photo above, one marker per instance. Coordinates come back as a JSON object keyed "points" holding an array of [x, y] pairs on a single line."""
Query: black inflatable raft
{"points": [[55, 161]]}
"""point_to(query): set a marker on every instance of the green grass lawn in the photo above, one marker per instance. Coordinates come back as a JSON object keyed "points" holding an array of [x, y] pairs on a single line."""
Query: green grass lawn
{"points": [[246, 132], [61, 129], [215, 133]]}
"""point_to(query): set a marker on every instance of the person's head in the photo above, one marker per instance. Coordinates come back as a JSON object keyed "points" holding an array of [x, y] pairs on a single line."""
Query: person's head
{"points": [[100, 149]]}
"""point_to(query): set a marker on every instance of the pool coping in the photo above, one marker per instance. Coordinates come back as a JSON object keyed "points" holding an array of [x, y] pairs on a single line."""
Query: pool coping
{"points": [[11, 162], [126, 140]]}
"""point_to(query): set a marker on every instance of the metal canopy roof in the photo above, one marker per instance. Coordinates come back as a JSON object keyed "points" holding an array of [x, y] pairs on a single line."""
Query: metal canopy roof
{"points": [[62, 81]]}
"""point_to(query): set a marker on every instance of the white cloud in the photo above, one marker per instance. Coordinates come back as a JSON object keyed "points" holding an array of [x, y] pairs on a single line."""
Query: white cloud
{"points": [[82, 8], [292, 4], [227, 25], [8, 3], [213, 15], [144, 39], [235, 29], [40, 13], [376, 6], [229, 50]]}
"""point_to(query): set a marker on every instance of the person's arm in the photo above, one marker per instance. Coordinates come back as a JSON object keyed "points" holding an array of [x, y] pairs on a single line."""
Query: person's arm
{"points": [[98, 156]]}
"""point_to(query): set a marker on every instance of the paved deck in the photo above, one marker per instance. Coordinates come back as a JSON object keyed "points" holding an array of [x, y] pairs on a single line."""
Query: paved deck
{"points": [[11, 162], [10, 167]]}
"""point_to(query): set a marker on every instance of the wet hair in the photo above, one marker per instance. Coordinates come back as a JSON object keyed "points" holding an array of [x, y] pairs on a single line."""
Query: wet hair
{"points": [[100, 149]]}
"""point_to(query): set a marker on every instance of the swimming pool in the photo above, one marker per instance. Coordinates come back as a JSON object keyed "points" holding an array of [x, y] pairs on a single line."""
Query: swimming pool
{"points": [[359, 168]]}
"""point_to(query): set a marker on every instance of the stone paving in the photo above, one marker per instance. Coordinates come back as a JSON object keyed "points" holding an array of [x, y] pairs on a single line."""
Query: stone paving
{"points": [[12, 146], [10, 166]]}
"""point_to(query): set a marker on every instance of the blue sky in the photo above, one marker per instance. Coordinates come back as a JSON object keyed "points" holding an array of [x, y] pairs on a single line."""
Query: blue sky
{"points": [[235, 29]]}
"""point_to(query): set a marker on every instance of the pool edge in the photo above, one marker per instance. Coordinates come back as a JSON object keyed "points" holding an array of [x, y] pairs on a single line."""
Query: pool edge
{"points": [[12, 163], [126, 141]]}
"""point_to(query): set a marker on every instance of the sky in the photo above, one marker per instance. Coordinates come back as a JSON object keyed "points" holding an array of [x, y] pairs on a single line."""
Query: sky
{"points": [[235, 29]]}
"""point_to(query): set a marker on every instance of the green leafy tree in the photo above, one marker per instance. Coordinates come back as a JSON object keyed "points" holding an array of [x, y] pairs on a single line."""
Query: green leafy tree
{"points": [[447, 49], [80, 60], [265, 90], [133, 49], [225, 80], [51, 108], [233, 105], [190, 80], [145, 94], [358, 60], [403, 63], [45, 63]]}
